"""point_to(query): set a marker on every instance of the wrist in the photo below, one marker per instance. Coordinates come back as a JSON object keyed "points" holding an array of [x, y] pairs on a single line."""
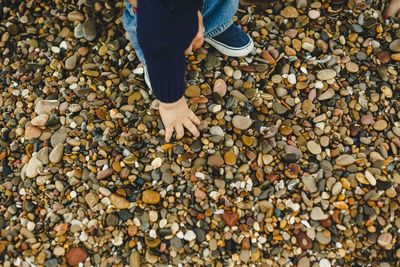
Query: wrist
{"points": [[172, 105]]}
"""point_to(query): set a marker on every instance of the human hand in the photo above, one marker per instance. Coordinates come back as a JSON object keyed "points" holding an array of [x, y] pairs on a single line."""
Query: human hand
{"points": [[393, 9], [199, 38], [177, 115]]}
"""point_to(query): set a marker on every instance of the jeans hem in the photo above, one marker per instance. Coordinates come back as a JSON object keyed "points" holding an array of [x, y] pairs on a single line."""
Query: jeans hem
{"points": [[218, 30]]}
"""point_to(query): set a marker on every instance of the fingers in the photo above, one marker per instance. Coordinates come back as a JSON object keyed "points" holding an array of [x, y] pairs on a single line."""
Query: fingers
{"points": [[191, 127], [194, 118], [179, 131], [168, 134]]}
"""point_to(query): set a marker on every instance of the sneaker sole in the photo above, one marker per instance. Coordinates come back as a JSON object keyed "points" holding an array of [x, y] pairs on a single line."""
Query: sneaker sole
{"points": [[231, 51], [147, 80]]}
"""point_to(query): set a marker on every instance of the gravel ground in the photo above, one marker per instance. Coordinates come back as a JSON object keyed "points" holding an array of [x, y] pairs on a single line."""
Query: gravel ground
{"points": [[297, 163]]}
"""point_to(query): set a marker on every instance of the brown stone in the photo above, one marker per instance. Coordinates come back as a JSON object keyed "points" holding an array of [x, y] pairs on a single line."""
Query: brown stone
{"points": [[76, 255], [230, 218], [215, 161], [230, 158], [151, 197], [290, 12]]}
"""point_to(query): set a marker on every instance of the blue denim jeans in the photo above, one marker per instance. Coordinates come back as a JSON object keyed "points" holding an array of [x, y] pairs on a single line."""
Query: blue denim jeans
{"points": [[217, 16]]}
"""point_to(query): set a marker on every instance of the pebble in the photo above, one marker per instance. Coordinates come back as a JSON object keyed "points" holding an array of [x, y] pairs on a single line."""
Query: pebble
{"points": [[395, 46], [314, 14], [215, 161], [318, 215], [380, 125], [241, 122], [326, 74], [314, 147], [345, 160], [352, 67], [328, 94], [297, 162], [230, 158], [91, 199], [385, 240], [32, 168], [290, 12], [192, 91], [151, 197], [75, 256], [40, 120], [46, 106], [56, 153], [220, 87], [230, 218], [119, 201], [190, 235]]}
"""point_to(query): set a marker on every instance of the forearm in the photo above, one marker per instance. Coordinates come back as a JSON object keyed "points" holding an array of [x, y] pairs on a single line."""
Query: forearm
{"points": [[165, 30]]}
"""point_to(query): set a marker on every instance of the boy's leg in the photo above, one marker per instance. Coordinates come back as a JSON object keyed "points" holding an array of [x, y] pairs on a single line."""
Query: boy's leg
{"points": [[129, 21], [221, 32], [217, 16]]}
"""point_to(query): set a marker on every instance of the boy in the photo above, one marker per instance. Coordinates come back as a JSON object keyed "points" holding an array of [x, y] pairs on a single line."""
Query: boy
{"points": [[163, 31]]}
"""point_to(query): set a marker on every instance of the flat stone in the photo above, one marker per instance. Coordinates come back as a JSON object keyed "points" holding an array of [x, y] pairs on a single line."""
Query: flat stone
{"points": [[193, 91], [395, 45], [230, 158], [91, 199], [75, 256], [309, 183], [56, 153], [75, 16], [151, 197], [241, 122], [324, 263], [230, 218], [314, 14], [217, 130], [380, 125], [119, 201], [40, 120], [105, 174], [220, 87], [279, 108], [367, 119], [289, 12], [59, 137], [32, 169], [304, 262], [326, 74], [70, 62], [352, 67], [215, 161], [318, 215], [395, 57], [32, 132], [371, 178], [314, 147], [190, 235], [90, 29], [385, 240], [345, 160], [46, 106]]}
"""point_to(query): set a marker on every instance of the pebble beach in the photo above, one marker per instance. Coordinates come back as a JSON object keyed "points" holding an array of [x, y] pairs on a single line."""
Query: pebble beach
{"points": [[297, 163]]}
